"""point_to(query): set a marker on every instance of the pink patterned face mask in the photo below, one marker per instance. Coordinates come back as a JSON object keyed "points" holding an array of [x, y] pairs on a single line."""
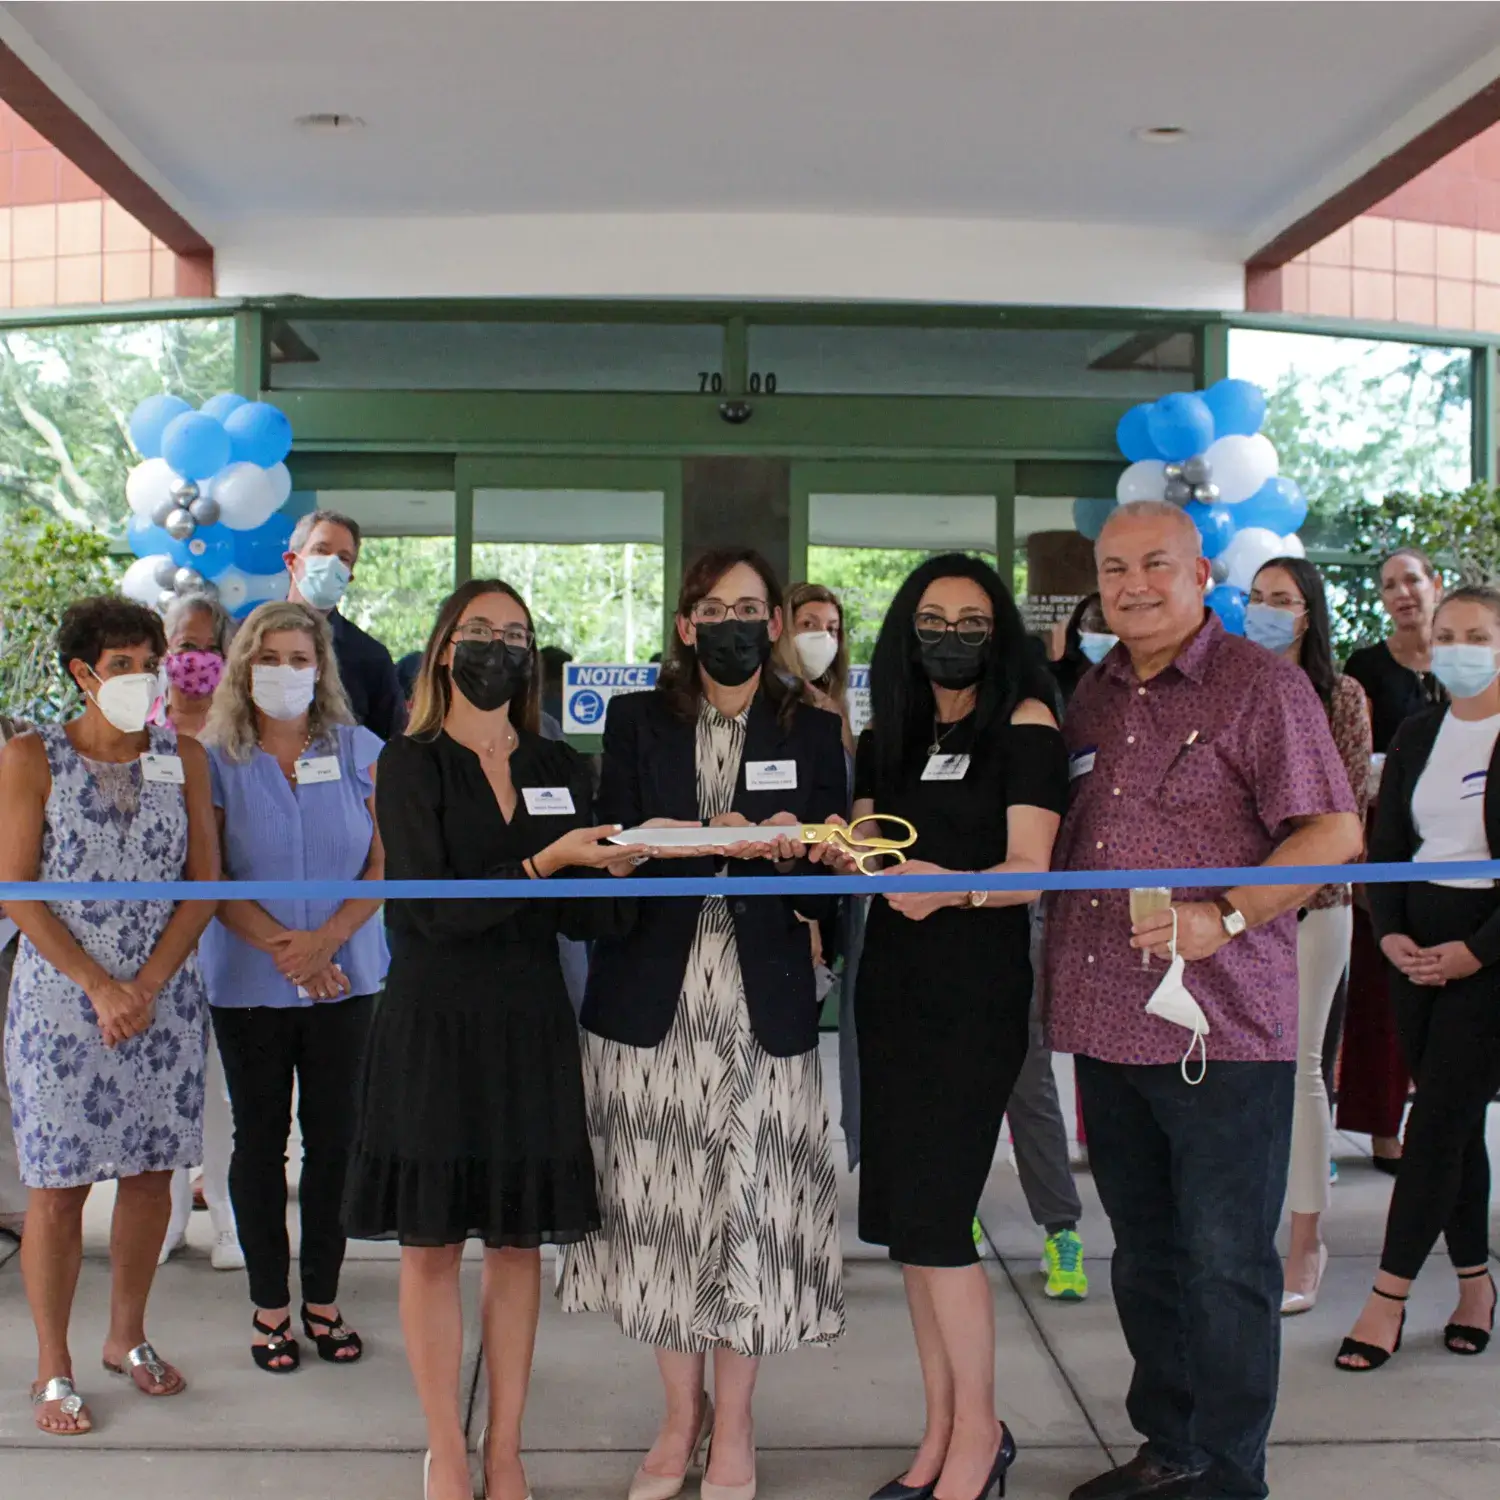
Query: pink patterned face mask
{"points": [[195, 674]]}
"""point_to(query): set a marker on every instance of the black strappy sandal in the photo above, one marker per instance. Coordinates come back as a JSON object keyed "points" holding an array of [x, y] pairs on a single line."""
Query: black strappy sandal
{"points": [[336, 1337], [279, 1345], [1477, 1339], [1373, 1355]]}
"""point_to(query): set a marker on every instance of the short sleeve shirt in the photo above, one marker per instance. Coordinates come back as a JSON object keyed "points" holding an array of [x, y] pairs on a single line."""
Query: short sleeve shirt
{"points": [[1206, 764]]}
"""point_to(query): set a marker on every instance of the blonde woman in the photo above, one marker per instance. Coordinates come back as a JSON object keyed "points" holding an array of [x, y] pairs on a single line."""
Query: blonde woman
{"points": [[816, 650], [292, 983]]}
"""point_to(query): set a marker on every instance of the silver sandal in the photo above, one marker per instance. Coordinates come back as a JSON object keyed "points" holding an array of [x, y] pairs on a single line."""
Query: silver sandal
{"points": [[144, 1357], [61, 1390]]}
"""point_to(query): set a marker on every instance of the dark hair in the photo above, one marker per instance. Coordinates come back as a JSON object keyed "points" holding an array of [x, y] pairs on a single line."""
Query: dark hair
{"points": [[407, 668], [555, 658], [902, 704], [679, 672], [1475, 593], [432, 696], [1416, 554], [1072, 646], [93, 626], [1317, 643]]}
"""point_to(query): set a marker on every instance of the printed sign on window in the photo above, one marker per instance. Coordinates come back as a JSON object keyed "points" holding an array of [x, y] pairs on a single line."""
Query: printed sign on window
{"points": [[588, 687]]}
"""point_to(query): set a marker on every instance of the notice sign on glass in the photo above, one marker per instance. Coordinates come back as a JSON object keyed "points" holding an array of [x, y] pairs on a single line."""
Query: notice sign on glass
{"points": [[588, 687], [858, 693]]}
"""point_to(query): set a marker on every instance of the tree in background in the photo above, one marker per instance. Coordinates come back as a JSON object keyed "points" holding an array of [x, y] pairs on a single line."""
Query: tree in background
{"points": [[45, 565]]}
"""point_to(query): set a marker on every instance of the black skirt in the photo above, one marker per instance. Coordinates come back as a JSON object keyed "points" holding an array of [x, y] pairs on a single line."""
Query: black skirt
{"points": [[471, 1118]]}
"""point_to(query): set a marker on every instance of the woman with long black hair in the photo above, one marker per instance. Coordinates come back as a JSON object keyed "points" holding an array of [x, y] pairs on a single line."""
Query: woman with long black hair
{"points": [[963, 745]]}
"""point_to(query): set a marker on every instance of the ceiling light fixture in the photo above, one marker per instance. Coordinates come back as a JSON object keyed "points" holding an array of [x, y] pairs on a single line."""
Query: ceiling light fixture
{"points": [[329, 121], [1160, 135]]}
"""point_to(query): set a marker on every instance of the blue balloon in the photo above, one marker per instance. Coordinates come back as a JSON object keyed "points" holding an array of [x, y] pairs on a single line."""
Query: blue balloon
{"points": [[1229, 604], [259, 433], [149, 420], [145, 539], [1237, 406], [210, 549], [1180, 426], [196, 446], [1278, 505], [1089, 516], [1133, 434], [1216, 525], [262, 550], [218, 407]]}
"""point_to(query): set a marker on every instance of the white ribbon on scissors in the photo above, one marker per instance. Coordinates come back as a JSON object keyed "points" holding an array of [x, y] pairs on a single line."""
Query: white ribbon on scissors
{"points": [[1171, 1002]]}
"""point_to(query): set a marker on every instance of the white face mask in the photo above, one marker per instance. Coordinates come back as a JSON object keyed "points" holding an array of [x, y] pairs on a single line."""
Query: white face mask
{"points": [[816, 650], [127, 700], [1171, 1002], [283, 692]]}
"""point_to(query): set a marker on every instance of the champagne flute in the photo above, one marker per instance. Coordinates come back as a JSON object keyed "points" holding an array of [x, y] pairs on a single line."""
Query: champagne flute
{"points": [[1146, 901]]}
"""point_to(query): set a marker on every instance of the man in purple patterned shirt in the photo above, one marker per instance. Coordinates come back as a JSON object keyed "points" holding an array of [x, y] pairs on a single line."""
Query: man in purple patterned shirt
{"points": [[1189, 747]]}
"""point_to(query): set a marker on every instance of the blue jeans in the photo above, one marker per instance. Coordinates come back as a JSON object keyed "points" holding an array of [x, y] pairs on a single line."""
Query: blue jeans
{"points": [[1193, 1179]]}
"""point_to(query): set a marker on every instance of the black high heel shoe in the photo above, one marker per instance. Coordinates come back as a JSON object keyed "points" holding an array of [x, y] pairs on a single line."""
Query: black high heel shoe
{"points": [[1457, 1335], [895, 1490], [1373, 1355], [334, 1339], [1004, 1458]]}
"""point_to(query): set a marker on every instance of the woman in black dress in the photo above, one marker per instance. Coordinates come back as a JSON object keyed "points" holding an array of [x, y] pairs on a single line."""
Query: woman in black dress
{"points": [[472, 1115], [963, 746]]}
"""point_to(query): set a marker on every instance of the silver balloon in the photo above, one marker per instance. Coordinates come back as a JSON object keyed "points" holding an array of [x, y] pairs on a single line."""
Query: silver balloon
{"points": [[163, 599], [180, 525], [1219, 569], [204, 510], [1197, 470], [165, 576], [1172, 471], [1177, 491], [188, 581], [162, 511], [1205, 494], [208, 588], [184, 492]]}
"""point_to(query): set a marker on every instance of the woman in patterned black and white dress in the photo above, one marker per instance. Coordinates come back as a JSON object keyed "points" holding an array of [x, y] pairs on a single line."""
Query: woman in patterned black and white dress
{"points": [[706, 1109]]}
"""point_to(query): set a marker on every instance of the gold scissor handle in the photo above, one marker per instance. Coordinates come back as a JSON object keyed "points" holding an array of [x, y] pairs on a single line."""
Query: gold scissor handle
{"points": [[864, 849]]}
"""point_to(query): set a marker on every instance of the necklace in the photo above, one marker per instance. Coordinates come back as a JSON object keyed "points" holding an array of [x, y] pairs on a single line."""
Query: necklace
{"points": [[493, 747], [291, 775], [939, 735]]}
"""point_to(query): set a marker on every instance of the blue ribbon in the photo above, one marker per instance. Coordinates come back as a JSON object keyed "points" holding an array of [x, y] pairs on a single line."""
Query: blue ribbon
{"points": [[737, 885]]}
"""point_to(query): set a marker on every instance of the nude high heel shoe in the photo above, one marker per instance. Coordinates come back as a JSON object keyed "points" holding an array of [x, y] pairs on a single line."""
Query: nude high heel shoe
{"points": [[665, 1486], [484, 1472], [728, 1491]]}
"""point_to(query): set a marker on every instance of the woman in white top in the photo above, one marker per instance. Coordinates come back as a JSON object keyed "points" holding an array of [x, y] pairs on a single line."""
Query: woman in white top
{"points": [[1442, 939]]}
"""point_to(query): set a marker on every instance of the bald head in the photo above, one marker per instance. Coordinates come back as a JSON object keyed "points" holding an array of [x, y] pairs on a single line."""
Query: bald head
{"points": [[1152, 574], [1170, 522]]}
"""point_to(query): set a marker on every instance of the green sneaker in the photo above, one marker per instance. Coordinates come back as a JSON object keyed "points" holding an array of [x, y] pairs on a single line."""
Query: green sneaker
{"points": [[978, 1232], [1062, 1260]]}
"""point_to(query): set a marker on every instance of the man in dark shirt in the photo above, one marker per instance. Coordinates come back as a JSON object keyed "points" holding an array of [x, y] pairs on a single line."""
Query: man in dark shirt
{"points": [[321, 557]]}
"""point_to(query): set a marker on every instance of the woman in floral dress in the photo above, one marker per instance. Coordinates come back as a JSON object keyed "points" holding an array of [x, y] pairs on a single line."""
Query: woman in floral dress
{"points": [[107, 1019]]}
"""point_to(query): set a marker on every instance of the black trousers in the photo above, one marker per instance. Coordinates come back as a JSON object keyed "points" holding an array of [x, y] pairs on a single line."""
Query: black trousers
{"points": [[264, 1049], [1450, 1036]]}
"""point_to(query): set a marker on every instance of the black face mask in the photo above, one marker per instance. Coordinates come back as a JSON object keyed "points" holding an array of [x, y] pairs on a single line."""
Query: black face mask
{"points": [[490, 673], [733, 651], [952, 662]]}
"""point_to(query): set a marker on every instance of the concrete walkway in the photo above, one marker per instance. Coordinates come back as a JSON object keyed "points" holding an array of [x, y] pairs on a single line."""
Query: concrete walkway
{"points": [[834, 1424]]}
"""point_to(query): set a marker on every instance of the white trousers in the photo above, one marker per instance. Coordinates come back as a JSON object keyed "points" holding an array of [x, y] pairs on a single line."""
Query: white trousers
{"points": [[218, 1143], [1322, 956]]}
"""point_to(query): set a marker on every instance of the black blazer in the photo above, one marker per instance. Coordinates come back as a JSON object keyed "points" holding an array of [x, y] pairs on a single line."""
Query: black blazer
{"points": [[649, 772], [1395, 839]]}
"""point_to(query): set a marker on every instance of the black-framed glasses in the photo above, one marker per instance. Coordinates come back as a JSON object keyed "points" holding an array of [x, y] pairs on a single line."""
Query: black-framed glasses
{"points": [[931, 627], [713, 611], [484, 634]]}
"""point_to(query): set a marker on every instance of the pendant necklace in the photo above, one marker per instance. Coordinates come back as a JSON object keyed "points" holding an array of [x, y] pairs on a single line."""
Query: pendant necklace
{"points": [[939, 735]]}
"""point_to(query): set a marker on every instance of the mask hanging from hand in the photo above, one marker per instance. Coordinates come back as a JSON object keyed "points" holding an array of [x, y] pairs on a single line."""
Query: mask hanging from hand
{"points": [[1171, 1002]]}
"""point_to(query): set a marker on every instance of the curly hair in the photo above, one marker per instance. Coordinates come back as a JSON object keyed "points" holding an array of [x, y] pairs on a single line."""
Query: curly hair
{"points": [[90, 627], [231, 717]]}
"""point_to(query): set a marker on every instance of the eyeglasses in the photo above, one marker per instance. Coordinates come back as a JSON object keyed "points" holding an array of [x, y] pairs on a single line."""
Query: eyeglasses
{"points": [[484, 633], [972, 630], [713, 611]]}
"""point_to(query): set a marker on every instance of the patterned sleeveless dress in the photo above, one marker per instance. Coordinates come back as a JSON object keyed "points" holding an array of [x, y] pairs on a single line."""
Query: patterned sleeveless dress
{"points": [[83, 1112]]}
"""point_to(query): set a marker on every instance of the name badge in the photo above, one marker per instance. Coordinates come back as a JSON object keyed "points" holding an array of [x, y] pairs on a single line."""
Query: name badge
{"points": [[1081, 763], [771, 775], [316, 768], [163, 768], [547, 801], [945, 768]]}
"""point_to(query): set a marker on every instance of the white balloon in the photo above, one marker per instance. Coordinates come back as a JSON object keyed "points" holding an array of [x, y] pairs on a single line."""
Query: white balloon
{"points": [[1249, 551], [281, 483], [1241, 465], [148, 486], [1146, 480], [246, 496], [266, 586], [1291, 546], [234, 587], [139, 583]]}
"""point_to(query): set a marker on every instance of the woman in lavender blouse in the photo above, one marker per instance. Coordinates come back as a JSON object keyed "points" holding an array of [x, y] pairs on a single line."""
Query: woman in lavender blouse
{"points": [[292, 982]]}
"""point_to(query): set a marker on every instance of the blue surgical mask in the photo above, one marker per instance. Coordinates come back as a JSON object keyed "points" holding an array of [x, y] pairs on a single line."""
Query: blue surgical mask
{"points": [[1096, 645], [323, 581], [1275, 629], [1466, 671]]}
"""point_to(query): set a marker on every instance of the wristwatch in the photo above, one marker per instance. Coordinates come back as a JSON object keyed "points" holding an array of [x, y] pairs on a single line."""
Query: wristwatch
{"points": [[1232, 918], [977, 899]]}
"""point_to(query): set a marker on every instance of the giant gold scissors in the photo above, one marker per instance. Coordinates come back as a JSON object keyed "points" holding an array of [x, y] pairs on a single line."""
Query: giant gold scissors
{"points": [[862, 848]]}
